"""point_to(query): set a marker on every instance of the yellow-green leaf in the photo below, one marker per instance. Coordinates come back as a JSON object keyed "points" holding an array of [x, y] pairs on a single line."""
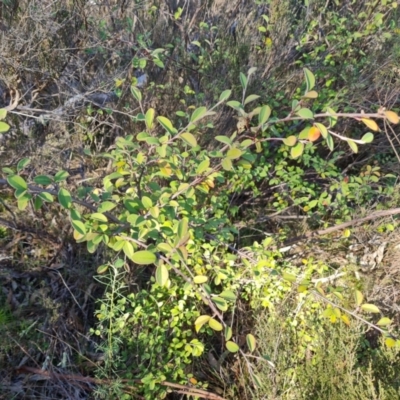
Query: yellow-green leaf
{"points": [[221, 303], [368, 137], [289, 277], [371, 308], [128, 249], [226, 164], [264, 114], [199, 279], [384, 321], [228, 333], [234, 153], [353, 146], [144, 257], [167, 124], [79, 226], [189, 139], [232, 346], [290, 140], [198, 114], [322, 128], [251, 342], [215, 325], [305, 113], [162, 275], [297, 150], [17, 182], [200, 321], [310, 79], [149, 118], [3, 113], [99, 217], [4, 127], [203, 166], [359, 298]]}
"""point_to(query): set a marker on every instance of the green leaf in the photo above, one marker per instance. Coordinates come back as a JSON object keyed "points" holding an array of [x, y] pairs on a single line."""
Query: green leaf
{"points": [[234, 153], [165, 247], [79, 226], [4, 127], [235, 105], [147, 203], [329, 142], [290, 141], [243, 80], [37, 203], [149, 118], [106, 206], [251, 342], [264, 115], [189, 139], [228, 333], [226, 164], [384, 321], [198, 114], [203, 166], [144, 257], [162, 275], [251, 98], [371, 308], [61, 176], [17, 182], [322, 128], [64, 198], [23, 202], [183, 227], [353, 146], [333, 118], [221, 303], [225, 95], [22, 164], [43, 180], [199, 279], [310, 79], [232, 346], [46, 197], [224, 139], [305, 113], [136, 93], [3, 113], [167, 125], [74, 214], [289, 277], [228, 295], [128, 249], [215, 325], [368, 137], [297, 150], [99, 217]]}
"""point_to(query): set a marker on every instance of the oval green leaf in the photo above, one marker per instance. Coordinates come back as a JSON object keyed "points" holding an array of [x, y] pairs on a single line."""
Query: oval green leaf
{"points": [[234, 153], [79, 226], [167, 125], [220, 303], [149, 118], [17, 182], [64, 198], [198, 114], [290, 141], [264, 114], [305, 113], [368, 137], [144, 257], [43, 180], [4, 127], [353, 146], [226, 164], [310, 79]]}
